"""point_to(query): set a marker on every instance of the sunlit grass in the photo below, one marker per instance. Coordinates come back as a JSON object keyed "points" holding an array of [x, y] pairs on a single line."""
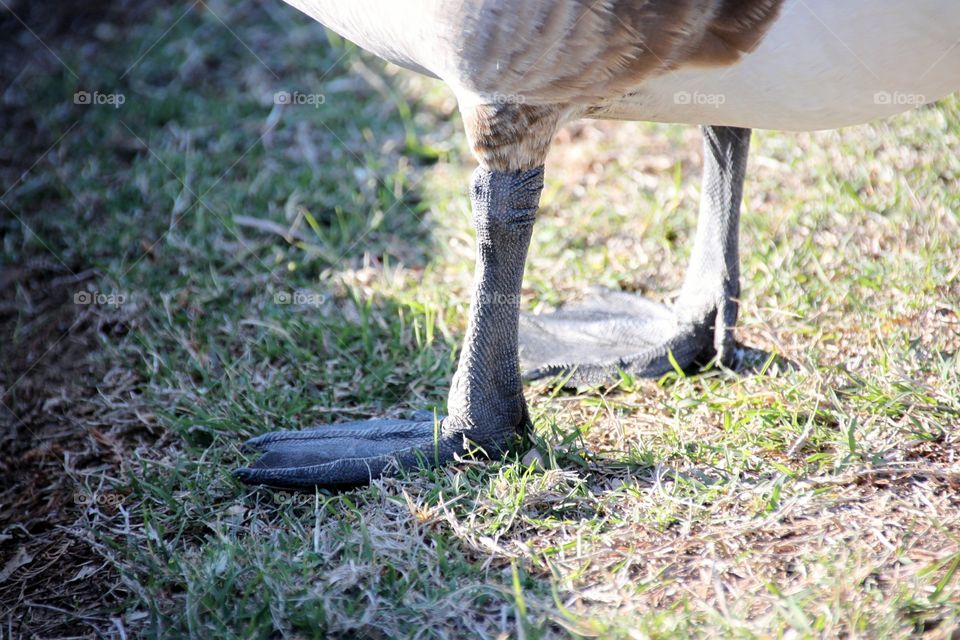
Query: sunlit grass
{"points": [[818, 499]]}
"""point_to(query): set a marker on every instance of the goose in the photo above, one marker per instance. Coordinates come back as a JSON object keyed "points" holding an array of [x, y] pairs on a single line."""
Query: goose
{"points": [[521, 69]]}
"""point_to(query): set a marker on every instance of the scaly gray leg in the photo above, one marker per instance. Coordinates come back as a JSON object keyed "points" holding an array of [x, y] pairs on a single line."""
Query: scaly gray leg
{"points": [[486, 405], [612, 331]]}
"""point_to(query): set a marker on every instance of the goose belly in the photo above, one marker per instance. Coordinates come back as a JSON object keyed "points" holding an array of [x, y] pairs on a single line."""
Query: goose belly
{"points": [[823, 64]]}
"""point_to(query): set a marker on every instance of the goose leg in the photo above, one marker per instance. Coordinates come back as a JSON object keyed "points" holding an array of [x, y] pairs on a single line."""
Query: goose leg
{"points": [[486, 406], [613, 331]]}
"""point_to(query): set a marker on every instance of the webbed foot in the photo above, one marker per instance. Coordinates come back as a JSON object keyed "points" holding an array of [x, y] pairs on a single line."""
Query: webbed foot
{"points": [[589, 342], [353, 453]]}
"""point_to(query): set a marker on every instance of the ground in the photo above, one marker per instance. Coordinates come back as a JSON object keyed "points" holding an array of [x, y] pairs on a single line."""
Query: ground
{"points": [[200, 264]]}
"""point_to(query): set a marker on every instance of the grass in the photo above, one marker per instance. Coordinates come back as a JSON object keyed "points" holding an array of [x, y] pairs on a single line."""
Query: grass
{"points": [[260, 267]]}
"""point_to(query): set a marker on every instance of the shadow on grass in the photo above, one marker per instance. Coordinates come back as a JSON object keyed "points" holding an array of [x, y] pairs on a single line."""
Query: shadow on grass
{"points": [[166, 218]]}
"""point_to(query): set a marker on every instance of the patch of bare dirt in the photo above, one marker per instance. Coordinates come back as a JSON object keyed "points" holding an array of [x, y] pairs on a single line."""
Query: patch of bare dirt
{"points": [[69, 423]]}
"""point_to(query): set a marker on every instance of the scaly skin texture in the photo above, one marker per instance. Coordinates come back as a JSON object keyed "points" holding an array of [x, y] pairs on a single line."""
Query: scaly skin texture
{"points": [[486, 406], [712, 285], [590, 342]]}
